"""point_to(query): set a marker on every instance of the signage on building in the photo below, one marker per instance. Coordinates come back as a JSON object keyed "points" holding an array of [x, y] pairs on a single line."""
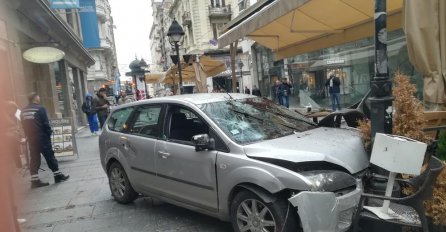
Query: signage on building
{"points": [[43, 55], [64, 4], [303, 65], [62, 137], [336, 61], [89, 24]]}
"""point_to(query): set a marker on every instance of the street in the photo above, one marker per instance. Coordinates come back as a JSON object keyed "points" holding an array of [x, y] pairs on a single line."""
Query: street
{"points": [[84, 202]]}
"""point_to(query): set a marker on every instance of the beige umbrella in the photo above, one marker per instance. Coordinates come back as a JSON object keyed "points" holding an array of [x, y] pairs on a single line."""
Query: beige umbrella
{"points": [[425, 27]]}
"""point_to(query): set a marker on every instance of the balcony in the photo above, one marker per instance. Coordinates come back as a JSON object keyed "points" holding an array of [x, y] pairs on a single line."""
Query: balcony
{"points": [[101, 10], [187, 19], [106, 44], [220, 12]]}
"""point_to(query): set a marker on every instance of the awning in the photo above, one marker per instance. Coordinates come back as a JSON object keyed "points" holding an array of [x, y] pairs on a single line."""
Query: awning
{"points": [[294, 27], [209, 66], [152, 78]]}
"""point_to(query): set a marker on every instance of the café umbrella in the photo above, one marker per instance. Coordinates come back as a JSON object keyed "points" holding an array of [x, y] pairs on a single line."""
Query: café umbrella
{"points": [[425, 26]]}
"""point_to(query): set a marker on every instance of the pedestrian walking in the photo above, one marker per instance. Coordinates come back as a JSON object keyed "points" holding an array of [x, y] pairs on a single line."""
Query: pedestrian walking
{"points": [[256, 91], [277, 92], [13, 140], [101, 105], [124, 98], [285, 89], [247, 90], [89, 110], [38, 133], [333, 84]]}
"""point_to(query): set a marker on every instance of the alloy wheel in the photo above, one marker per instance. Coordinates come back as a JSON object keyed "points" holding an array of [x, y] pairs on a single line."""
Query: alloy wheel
{"points": [[117, 181], [254, 216]]}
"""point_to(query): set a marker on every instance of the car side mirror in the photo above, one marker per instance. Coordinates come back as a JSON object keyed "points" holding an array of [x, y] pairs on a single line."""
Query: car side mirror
{"points": [[203, 142]]}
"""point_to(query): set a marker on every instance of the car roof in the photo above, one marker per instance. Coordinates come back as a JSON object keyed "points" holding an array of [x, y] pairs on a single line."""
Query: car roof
{"points": [[196, 99]]}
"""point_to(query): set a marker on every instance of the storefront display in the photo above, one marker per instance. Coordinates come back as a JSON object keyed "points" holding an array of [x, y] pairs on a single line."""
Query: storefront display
{"points": [[353, 63]]}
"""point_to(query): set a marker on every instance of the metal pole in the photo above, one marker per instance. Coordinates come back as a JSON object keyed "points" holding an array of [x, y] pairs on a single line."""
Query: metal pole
{"points": [[381, 86], [145, 85], [242, 89], [177, 47]]}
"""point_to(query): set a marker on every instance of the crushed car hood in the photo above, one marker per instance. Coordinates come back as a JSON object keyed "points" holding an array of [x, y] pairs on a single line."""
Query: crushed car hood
{"points": [[342, 147]]}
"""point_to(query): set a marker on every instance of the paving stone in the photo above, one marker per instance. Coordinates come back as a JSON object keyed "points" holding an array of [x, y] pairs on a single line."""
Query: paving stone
{"points": [[61, 214]]}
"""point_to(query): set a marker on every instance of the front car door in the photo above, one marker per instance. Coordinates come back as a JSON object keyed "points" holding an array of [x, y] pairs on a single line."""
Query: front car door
{"points": [[188, 176], [145, 129]]}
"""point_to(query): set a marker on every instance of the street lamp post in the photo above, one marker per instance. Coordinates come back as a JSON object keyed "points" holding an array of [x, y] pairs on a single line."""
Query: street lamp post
{"points": [[175, 35], [240, 65], [381, 86]]}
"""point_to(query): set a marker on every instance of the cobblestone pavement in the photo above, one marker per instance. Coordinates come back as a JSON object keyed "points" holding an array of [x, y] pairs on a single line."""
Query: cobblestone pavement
{"points": [[84, 203]]}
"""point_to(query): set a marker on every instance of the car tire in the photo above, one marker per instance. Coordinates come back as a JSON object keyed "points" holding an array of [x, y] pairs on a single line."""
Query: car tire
{"points": [[120, 187], [277, 216]]}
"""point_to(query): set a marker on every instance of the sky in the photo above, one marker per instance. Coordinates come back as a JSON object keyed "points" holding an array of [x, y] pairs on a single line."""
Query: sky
{"points": [[133, 19]]}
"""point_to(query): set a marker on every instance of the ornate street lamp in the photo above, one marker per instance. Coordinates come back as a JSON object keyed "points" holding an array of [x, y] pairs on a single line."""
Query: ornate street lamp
{"points": [[381, 86], [138, 70], [175, 35]]}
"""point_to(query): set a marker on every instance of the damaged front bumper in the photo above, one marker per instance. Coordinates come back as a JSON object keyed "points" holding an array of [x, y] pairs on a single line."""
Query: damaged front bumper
{"points": [[325, 211]]}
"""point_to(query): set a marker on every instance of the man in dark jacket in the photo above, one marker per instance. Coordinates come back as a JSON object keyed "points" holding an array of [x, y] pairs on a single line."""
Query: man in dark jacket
{"points": [[90, 111], [101, 105], [285, 90], [333, 84], [256, 91], [38, 133], [247, 90]]}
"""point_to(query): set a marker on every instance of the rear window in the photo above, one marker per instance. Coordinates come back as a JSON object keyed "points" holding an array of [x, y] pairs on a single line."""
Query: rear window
{"points": [[118, 120]]}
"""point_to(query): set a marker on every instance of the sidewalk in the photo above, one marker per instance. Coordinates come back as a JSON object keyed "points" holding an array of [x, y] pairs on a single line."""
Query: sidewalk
{"points": [[84, 202]]}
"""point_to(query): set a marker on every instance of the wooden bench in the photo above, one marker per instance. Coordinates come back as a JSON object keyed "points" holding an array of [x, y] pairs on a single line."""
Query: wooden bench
{"points": [[435, 121]]}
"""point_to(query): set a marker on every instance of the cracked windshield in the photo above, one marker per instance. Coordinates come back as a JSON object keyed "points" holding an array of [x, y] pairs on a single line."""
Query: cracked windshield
{"points": [[222, 115], [255, 119]]}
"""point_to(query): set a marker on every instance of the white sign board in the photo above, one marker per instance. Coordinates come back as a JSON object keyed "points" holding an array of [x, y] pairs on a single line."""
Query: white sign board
{"points": [[398, 154], [141, 86], [336, 61]]}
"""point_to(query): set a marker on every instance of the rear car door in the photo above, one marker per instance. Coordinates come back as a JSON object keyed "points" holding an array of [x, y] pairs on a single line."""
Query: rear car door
{"points": [[116, 129], [142, 136], [188, 176]]}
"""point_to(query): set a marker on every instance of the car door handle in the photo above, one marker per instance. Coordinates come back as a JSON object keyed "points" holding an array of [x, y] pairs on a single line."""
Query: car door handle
{"points": [[163, 154]]}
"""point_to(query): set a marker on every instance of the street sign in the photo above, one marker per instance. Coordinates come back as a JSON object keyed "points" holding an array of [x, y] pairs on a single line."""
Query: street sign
{"points": [[62, 137]]}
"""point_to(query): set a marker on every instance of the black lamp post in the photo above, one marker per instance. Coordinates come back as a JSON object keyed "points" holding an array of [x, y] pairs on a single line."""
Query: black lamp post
{"points": [[144, 66], [175, 35], [240, 65], [381, 86]]}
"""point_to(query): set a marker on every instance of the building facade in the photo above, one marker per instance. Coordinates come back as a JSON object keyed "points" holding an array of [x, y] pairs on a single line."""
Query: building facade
{"points": [[202, 22], [102, 74], [26, 24]]}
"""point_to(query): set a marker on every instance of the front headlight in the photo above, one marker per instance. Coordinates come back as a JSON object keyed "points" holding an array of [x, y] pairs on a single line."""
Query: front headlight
{"points": [[329, 181]]}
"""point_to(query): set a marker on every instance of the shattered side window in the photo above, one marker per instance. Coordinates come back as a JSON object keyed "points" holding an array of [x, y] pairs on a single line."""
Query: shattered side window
{"points": [[254, 119]]}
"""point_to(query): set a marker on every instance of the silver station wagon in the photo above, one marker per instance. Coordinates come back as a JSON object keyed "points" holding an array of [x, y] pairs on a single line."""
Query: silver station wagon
{"points": [[236, 157]]}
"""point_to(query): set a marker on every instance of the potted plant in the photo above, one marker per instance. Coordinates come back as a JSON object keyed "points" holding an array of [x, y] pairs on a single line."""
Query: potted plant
{"points": [[408, 121]]}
